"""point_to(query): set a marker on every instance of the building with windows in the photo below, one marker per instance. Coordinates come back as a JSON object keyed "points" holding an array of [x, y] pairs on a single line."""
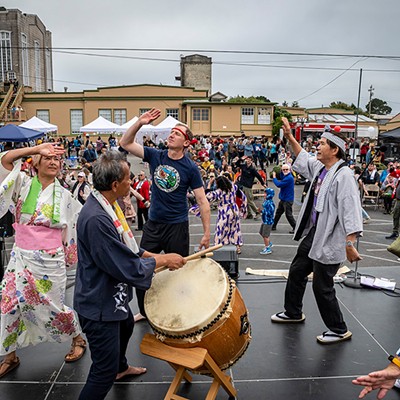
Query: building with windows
{"points": [[25, 50], [205, 115]]}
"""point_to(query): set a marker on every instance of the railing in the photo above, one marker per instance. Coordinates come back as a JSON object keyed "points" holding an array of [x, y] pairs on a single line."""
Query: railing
{"points": [[6, 101], [18, 97]]}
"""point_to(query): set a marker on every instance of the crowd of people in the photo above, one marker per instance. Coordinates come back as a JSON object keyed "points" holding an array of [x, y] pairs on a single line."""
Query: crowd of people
{"points": [[75, 203]]}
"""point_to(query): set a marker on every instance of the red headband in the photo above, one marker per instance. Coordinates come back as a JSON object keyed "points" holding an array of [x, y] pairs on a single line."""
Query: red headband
{"points": [[181, 131]]}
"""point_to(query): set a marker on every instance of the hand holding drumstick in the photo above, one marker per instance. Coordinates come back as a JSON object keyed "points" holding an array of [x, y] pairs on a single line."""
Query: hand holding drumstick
{"points": [[173, 261]]}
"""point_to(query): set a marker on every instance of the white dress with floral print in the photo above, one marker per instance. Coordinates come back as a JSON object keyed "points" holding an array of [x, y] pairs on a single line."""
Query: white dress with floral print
{"points": [[33, 287]]}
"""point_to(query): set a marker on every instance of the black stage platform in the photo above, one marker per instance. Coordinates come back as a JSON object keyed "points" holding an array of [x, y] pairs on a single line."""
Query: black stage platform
{"points": [[282, 362]]}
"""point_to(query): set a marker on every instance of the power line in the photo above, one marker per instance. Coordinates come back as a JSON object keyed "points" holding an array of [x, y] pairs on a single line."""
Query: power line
{"points": [[223, 52], [331, 81]]}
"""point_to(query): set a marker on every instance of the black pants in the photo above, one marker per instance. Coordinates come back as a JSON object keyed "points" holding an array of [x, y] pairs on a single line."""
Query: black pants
{"points": [[142, 213], [170, 238], [323, 287], [285, 207], [108, 341]]}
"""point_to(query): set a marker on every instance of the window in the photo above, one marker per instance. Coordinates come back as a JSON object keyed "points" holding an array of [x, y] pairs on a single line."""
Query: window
{"points": [[105, 113], [119, 116], [49, 72], [264, 117], [38, 80], [5, 54], [201, 114], [44, 115], [76, 118], [25, 63], [143, 110], [248, 115], [173, 112]]}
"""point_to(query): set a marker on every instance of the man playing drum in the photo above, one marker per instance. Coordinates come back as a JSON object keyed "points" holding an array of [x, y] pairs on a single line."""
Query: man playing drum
{"points": [[172, 174], [110, 262]]}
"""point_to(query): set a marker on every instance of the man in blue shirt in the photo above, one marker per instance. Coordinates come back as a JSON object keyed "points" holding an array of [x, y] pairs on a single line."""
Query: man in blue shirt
{"points": [[173, 175], [286, 196], [110, 263]]}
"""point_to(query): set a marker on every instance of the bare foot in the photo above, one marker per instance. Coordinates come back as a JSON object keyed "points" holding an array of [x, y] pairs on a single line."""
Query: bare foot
{"points": [[131, 371], [139, 317]]}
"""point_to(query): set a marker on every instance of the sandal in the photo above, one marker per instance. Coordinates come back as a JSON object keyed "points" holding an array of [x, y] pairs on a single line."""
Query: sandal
{"points": [[10, 365], [78, 348]]}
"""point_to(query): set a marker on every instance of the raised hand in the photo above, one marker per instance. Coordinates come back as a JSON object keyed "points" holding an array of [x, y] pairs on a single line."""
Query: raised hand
{"points": [[149, 116], [49, 149], [286, 127]]}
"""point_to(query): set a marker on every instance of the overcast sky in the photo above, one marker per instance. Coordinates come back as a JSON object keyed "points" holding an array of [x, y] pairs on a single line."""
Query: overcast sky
{"points": [[344, 27]]}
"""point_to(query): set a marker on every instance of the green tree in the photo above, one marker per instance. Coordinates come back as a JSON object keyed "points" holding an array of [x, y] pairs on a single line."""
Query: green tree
{"points": [[295, 104], [378, 106], [251, 99], [285, 104], [344, 106], [277, 124]]}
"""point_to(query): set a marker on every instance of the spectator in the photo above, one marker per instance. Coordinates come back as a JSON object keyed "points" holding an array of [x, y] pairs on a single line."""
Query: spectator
{"points": [[268, 212], [286, 196], [246, 181]]}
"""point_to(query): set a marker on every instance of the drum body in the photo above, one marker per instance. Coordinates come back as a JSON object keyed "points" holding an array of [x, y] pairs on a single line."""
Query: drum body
{"points": [[199, 306]]}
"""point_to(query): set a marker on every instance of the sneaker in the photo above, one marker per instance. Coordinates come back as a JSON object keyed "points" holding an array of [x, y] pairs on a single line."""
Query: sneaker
{"points": [[273, 228], [392, 236], [291, 232], [397, 384], [257, 217], [270, 245], [329, 337], [367, 220], [282, 318], [266, 250]]}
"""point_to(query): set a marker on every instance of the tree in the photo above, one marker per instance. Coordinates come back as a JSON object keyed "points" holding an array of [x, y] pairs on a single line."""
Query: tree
{"points": [[378, 106], [344, 106], [251, 99], [277, 124], [285, 104], [295, 104]]}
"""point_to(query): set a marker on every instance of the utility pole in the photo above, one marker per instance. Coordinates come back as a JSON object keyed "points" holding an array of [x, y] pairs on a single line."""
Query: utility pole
{"points": [[371, 93]]}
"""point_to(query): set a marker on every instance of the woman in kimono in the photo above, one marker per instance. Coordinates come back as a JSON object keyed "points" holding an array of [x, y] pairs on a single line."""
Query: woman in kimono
{"points": [[227, 229], [33, 287]]}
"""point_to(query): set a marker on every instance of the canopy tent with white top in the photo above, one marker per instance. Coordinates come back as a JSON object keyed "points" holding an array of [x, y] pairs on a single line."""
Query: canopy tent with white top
{"points": [[158, 132], [124, 127], [100, 124], [39, 125]]}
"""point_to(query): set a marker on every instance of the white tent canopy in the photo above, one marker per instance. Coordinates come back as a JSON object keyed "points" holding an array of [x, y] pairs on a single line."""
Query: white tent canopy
{"points": [[158, 132], [37, 124], [100, 124], [124, 127]]}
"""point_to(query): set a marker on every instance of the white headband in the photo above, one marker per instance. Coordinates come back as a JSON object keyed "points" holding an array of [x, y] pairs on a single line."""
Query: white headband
{"points": [[335, 139]]}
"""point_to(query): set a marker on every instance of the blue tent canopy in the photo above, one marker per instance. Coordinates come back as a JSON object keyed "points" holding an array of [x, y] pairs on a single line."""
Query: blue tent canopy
{"points": [[15, 133]]}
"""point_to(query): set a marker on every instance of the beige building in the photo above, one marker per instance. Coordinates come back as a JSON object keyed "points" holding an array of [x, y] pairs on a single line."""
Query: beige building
{"points": [[69, 111]]}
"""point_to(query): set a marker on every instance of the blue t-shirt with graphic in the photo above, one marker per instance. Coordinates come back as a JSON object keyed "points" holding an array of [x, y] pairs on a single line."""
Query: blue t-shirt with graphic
{"points": [[171, 180]]}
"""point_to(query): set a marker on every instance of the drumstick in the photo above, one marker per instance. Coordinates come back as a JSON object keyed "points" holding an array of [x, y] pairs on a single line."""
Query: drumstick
{"points": [[203, 252], [199, 254], [159, 269]]}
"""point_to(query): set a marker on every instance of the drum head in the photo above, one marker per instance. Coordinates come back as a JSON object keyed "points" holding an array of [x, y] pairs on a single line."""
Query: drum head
{"points": [[187, 299]]}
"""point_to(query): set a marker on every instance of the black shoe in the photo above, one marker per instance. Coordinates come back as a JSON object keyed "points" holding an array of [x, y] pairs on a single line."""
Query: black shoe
{"points": [[291, 232], [273, 228], [392, 236]]}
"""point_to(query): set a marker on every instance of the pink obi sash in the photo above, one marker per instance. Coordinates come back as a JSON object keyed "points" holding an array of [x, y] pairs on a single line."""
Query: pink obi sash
{"points": [[30, 237]]}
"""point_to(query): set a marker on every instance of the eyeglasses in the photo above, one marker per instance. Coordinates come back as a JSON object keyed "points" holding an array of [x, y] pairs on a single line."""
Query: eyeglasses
{"points": [[285, 169]]}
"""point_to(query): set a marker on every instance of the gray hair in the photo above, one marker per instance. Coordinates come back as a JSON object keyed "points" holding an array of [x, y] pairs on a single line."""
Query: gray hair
{"points": [[107, 169]]}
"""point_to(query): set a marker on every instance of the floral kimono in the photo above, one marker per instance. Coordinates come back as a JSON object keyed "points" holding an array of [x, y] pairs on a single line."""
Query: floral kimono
{"points": [[227, 229], [33, 287]]}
